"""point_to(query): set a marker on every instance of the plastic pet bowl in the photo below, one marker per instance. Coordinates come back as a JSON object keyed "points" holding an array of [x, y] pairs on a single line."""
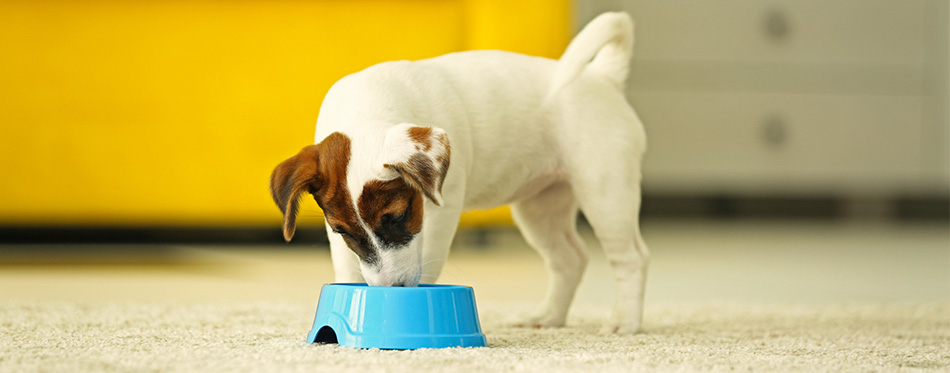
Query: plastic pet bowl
{"points": [[402, 318]]}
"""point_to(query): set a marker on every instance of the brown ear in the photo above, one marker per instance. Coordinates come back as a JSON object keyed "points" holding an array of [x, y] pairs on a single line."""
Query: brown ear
{"points": [[291, 178], [420, 155]]}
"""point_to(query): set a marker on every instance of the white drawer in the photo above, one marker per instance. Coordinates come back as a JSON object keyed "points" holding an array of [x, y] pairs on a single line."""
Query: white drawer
{"points": [[781, 31], [741, 142], [656, 75]]}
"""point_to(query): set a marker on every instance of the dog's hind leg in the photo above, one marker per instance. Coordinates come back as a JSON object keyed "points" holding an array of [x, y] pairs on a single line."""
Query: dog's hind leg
{"points": [[611, 203], [606, 142], [548, 221]]}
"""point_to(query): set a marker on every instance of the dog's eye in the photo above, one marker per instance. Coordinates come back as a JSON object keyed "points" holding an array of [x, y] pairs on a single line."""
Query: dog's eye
{"points": [[340, 231], [392, 218], [402, 218]]}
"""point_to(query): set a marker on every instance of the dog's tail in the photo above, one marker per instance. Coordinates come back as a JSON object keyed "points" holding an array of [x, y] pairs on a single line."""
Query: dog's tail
{"points": [[605, 45]]}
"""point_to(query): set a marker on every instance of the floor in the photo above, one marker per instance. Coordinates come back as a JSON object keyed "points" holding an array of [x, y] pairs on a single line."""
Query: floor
{"points": [[692, 262], [722, 296]]}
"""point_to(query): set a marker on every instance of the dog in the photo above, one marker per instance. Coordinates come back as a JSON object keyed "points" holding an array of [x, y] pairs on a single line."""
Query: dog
{"points": [[402, 148]]}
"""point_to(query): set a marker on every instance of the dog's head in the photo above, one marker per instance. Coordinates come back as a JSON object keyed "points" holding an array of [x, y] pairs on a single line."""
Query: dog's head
{"points": [[372, 195]]}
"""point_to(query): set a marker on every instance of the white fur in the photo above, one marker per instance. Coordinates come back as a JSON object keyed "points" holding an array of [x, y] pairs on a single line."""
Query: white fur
{"points": [[405, 261], [545, 136]]}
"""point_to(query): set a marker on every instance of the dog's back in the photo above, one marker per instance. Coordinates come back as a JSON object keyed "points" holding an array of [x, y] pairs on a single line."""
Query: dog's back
{"points": [[527, 113], [518, 110]]}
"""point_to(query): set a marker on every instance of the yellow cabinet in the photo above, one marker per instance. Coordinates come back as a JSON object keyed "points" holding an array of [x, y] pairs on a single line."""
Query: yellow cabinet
{"points": [[175, 112]]}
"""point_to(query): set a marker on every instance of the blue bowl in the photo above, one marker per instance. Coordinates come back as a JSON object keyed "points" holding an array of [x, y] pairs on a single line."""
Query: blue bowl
{"points": [[403, 318]]}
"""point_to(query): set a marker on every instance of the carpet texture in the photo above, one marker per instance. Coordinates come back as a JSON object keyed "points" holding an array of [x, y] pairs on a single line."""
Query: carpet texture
{"points": [[258, 336]]}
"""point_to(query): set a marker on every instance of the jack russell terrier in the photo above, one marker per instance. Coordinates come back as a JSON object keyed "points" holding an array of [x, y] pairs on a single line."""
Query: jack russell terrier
{"points": [[403, 148]]}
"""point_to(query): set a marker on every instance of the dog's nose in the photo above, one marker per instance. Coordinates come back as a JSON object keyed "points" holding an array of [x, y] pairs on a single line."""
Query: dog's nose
{"points": [[400, 284]]}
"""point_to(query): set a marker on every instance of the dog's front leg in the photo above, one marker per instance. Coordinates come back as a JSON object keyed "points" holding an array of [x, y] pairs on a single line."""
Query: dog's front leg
{"points": [[438, 231], [346, 265]]}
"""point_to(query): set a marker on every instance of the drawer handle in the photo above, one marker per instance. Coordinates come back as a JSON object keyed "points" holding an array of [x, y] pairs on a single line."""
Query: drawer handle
{"points": [[775, 132], [776, 25]]}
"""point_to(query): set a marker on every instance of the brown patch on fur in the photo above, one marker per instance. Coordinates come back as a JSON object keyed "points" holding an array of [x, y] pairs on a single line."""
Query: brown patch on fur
{"points": [[321, 171], [420, 173], [289, 180], [392, 210], [421, 136], [444, 160]]}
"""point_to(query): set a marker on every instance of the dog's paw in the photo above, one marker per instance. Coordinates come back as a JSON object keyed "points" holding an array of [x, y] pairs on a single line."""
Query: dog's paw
{"points": [[539, 321], [613, 328]]}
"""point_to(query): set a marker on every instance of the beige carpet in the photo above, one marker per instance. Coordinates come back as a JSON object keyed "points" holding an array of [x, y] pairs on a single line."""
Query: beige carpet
{"points": [[268, 336], [765, 296]]}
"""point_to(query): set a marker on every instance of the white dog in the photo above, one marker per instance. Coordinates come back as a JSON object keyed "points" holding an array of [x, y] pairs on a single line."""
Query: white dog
{"points": [[548, 137]]}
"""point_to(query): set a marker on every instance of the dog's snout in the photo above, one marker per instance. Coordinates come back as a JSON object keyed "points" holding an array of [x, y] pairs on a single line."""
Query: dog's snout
{"points": [[396, 268], [404, 283], [384, 281], [398, 284]]}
